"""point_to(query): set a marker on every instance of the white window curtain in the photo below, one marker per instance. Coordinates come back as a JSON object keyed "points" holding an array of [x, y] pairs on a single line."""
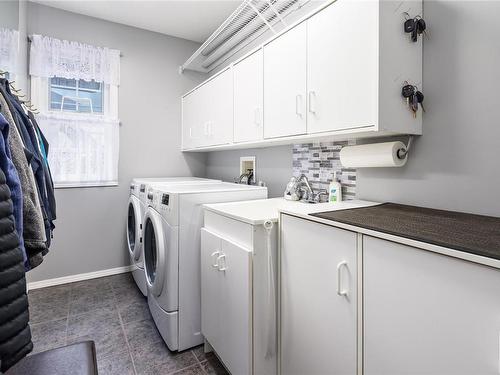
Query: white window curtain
{"points": [[50, 57], [9, 50], [84, 147]]}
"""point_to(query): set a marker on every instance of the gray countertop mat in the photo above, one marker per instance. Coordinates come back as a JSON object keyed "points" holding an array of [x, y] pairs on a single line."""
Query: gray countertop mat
{"points": [[475, 234]]}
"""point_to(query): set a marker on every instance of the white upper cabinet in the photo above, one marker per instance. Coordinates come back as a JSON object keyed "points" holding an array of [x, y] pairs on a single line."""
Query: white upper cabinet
{"points": [[207, 113], [248, 98], [190, 119], [336, 74], [342, 67], [285, 84], [218, 106]]}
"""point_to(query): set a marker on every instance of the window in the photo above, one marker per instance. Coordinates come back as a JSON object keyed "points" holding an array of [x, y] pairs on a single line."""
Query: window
{"points": [[75, 88], [73, 95]]}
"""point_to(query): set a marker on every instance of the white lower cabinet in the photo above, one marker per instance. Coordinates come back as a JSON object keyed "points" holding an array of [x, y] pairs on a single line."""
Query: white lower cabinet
{"points": [[226, 301], [210, 296], [426, 313], [318, 299], [421, 313], [238, 298]]}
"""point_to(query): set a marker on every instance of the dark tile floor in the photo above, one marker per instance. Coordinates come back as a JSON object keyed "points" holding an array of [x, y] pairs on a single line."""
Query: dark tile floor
{"points": [[112, 312]]}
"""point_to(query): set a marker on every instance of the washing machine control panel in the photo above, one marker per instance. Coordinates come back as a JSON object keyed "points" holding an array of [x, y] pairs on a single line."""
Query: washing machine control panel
{"points": [[161, 201], [165, 199]]}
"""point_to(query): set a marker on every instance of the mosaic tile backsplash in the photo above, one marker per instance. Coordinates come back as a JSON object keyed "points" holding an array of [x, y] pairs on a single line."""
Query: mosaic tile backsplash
{"points": [[318, 161]]}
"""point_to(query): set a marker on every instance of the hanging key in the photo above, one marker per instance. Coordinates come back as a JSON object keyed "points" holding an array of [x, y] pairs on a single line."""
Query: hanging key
{"points": [[420, 99], [414, 105], [409, 25], [407, 92], [414, 26], [420, 26]]}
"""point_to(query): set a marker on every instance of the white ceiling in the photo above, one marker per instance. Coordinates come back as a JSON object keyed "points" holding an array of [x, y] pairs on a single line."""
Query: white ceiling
{"points": [[194, 20]]}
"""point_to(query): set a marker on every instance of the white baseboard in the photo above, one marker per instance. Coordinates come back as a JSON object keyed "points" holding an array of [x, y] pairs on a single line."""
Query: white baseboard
{"points": [[79, 277]]}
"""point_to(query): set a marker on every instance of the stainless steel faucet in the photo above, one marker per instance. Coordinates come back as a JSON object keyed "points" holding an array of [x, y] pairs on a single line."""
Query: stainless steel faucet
{"points": [[305, 188], [307, 192]]}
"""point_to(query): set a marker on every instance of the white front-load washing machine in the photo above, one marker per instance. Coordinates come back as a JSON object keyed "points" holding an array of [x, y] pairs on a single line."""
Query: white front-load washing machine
{"points": [[172, 231], [136, 210]]}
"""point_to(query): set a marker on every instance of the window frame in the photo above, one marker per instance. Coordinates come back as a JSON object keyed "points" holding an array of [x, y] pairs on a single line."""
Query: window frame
{"points": [[77, 89], [40, 99]]}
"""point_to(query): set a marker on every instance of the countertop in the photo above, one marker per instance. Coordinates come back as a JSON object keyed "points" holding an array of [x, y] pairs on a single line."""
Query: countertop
{"points": [[471, 237], [256, 212]]}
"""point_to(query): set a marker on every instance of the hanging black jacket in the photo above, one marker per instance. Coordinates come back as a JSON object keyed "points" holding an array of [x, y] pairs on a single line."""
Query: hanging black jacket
{"points": [[15, 334]]}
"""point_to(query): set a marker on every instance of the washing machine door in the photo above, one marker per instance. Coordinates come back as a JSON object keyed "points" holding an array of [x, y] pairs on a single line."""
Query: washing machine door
{"points": [[134, 227], [161, 259]]}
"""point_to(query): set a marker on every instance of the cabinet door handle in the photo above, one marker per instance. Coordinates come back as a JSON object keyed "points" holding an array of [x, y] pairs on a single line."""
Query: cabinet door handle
{"points": [[312, 95], [340, 291], [216, 264], [298, 102], [256, 117], [190, 132], [223, 256]]}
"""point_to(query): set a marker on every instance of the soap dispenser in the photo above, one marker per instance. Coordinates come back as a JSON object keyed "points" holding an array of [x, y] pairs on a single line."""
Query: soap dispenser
{"points": [[335, 190]]}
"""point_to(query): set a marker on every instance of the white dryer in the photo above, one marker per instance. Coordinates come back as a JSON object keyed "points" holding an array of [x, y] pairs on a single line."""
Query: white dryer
{"points": [[172, 231], [136, 210]]}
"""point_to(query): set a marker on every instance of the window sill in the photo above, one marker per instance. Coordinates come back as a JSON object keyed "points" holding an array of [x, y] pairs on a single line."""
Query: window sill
{"points": [[87, 185]]}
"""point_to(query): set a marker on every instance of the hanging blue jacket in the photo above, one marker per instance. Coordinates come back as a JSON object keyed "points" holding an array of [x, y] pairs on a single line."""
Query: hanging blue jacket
{"points": [[12, 181], [35, 160]]}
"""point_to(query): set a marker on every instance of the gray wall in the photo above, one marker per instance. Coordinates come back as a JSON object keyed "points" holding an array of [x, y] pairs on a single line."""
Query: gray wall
{"points": [[453, 166], [90, 232], [456, 163], [9, 14], [273, 166], [13, 15]]}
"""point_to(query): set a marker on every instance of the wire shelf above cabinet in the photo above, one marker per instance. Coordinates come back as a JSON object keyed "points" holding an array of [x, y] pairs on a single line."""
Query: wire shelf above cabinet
{"points": [[249, 21]]}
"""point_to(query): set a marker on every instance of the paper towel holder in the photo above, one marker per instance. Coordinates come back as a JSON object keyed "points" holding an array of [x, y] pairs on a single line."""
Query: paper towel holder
{"points": [[403, 151]]}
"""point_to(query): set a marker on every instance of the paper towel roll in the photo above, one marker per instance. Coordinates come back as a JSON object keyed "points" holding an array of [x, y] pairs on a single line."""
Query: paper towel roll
{"points": [[373, 155]]}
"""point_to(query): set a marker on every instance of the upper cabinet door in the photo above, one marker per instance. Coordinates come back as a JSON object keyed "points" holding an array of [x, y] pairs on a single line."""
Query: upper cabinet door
{"points": [[342, 66], [248, 98], [190, 120], [217, 109], [285, 84]]}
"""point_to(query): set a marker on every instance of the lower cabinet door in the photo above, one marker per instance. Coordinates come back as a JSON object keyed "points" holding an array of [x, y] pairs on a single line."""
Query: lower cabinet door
{"points": [[318, 299], [210, 296], [426, 313], [235, 317]]}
